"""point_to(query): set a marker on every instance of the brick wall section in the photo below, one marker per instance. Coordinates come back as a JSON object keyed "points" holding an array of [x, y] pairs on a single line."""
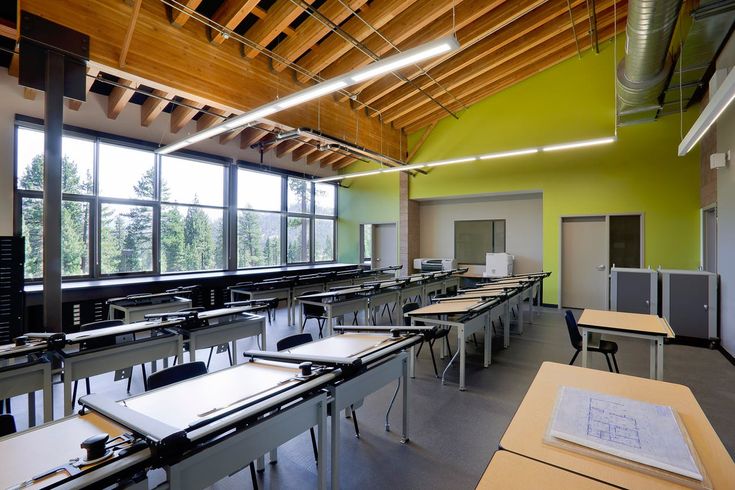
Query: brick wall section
{"points": [[708, 177], [409, 226]]}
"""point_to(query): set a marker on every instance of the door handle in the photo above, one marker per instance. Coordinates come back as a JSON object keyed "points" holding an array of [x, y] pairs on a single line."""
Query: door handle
{"points": [[601, 267]]}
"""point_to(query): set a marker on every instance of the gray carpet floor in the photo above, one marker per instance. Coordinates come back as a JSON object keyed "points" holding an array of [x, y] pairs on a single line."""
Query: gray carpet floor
{"points": [[454, 434]]}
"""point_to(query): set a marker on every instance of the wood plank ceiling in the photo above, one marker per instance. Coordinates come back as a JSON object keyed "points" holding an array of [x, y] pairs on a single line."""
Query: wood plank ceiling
{"points": [[201, 53]]}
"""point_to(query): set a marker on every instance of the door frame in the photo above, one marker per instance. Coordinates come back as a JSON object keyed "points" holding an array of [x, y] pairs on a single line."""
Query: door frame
{"points": [[607, 249], [361, 238], [702, 211]]}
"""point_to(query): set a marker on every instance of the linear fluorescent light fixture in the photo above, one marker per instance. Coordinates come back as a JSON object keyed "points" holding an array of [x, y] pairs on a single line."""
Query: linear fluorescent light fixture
{"points": [[714, 109], [487, 156], [579, 144], [410, 56]]}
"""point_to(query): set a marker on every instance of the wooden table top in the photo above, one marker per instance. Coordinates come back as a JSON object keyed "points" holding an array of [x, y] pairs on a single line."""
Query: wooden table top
{"points": [[34, 451], [509, 471], [525, 434], [629, 322], [447, 308]]}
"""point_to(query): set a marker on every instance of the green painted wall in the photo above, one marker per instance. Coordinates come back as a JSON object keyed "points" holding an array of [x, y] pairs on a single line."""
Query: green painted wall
{"points": [[367, 200], [572, 101]]}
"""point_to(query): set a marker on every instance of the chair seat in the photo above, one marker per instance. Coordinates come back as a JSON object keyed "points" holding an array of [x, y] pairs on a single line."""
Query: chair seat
{"points": [[606, 347]]}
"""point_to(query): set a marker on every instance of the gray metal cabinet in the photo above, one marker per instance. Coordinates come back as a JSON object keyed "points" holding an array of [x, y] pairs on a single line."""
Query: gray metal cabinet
{"points": [[634, 290], [689, 302]]}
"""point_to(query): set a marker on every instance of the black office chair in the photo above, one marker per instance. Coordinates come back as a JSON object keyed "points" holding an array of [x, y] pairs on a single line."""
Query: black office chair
{"points": [[176, 373], [430, 337], [181, 372], [7, 425], [99, 344], [316, 312], [606, 347]]}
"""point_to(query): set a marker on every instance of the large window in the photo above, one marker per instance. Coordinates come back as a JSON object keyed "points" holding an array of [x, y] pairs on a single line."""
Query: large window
{"points": [[128, 211]]}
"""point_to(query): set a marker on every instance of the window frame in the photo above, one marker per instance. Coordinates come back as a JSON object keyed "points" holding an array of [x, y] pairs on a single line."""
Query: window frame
{"points": [[229, 206]]}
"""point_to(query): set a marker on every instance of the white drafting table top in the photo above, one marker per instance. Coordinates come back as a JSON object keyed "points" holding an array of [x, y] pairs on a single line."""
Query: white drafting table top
{"points": [[447, 308], [119, 330], [629, 322], [345, 345], [34, 451], [181, 404], [332, 294]]}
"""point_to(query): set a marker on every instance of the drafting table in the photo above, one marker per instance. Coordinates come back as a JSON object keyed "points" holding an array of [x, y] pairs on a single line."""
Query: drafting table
{"points": [[509, 471], [468, 317], [386, 294], [160, 343], [337, 304], [135, 307], [221, 326], [514, 293], [635, 325], [278, 288], [525, 434], [27, 376], [199, 431], [367, 362]]}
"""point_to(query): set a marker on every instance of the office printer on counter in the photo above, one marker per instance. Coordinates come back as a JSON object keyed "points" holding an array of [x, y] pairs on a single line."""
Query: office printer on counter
{"points": [[433, 265]]}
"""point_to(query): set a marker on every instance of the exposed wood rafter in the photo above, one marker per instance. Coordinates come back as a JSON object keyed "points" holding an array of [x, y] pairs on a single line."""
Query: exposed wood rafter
{"points": [[229, 15], [119, 97], [152, 107]]}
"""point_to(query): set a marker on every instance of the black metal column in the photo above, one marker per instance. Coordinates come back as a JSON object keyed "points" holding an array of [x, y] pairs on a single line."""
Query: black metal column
{"points": [[53, 126]]}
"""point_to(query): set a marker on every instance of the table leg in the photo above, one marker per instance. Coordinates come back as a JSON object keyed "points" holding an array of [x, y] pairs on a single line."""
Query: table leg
{"points": [[290, 310], [301, 318], [335, 443], [584, 346], [412, 361], [652, 359], [321, 440], [32, 408], [192, 349], [488, 341], [660, 359], [48, 400], [273, 456], [67, 390], [530, 305], [263, 344], [461, 345], [260, 463], [506, 325], [405, 438], [329, 321], [234, 352], [520, 314]]}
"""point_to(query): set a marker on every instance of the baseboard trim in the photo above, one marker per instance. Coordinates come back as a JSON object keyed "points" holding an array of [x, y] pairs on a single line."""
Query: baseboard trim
{"points": [[727, 355]]}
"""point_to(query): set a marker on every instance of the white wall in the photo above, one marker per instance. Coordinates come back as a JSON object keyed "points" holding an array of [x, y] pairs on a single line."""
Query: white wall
{"points": [[726, 213], [523, 226], [93, 115]]}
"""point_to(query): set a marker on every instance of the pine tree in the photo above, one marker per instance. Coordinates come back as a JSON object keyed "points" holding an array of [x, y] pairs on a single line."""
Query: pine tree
{"points": [[249, 238], [172, 240], [199, 246]]}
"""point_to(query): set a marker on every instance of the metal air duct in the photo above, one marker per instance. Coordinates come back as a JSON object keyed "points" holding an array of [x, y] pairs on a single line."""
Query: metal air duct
{"points": [[643, 73]]}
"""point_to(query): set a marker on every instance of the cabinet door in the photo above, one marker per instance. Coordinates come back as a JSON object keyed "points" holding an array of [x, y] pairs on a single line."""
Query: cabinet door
{"points": [[688, 296], [634, 292]]}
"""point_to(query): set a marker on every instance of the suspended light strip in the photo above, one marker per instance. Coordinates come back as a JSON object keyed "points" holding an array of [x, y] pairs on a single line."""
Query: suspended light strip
{"points": [[579, 144], [488, 156], [391, 63], [721, 99]]}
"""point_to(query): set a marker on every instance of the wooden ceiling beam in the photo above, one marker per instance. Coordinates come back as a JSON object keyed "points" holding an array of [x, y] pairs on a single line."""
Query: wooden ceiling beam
{"points": [[442, 25], [152, 107], [344, 163], [421, 141], [313, 29], [331, 48], [554, 34], [229, 15], [330, 159], [304, 150], [405, 25], [280, 15], [8, 30], [285, 147], [119, 97], [475, 93], [182, 114], [253, 134], [129, 34], [211, 118], [314, 157], [508, 15], [92, 73], [179, 18], [179, 60]]}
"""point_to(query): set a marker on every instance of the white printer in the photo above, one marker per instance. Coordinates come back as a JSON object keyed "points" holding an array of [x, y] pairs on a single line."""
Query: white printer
{"points": [[498, 265], [433, 265]]}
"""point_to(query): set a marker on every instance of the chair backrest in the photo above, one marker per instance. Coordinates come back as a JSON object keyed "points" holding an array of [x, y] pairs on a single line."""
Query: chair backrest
{"points": [[177, 373], [313, 310], [408, 307], [7, 425], [103, 342], [574, 336], [293, 341]]}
